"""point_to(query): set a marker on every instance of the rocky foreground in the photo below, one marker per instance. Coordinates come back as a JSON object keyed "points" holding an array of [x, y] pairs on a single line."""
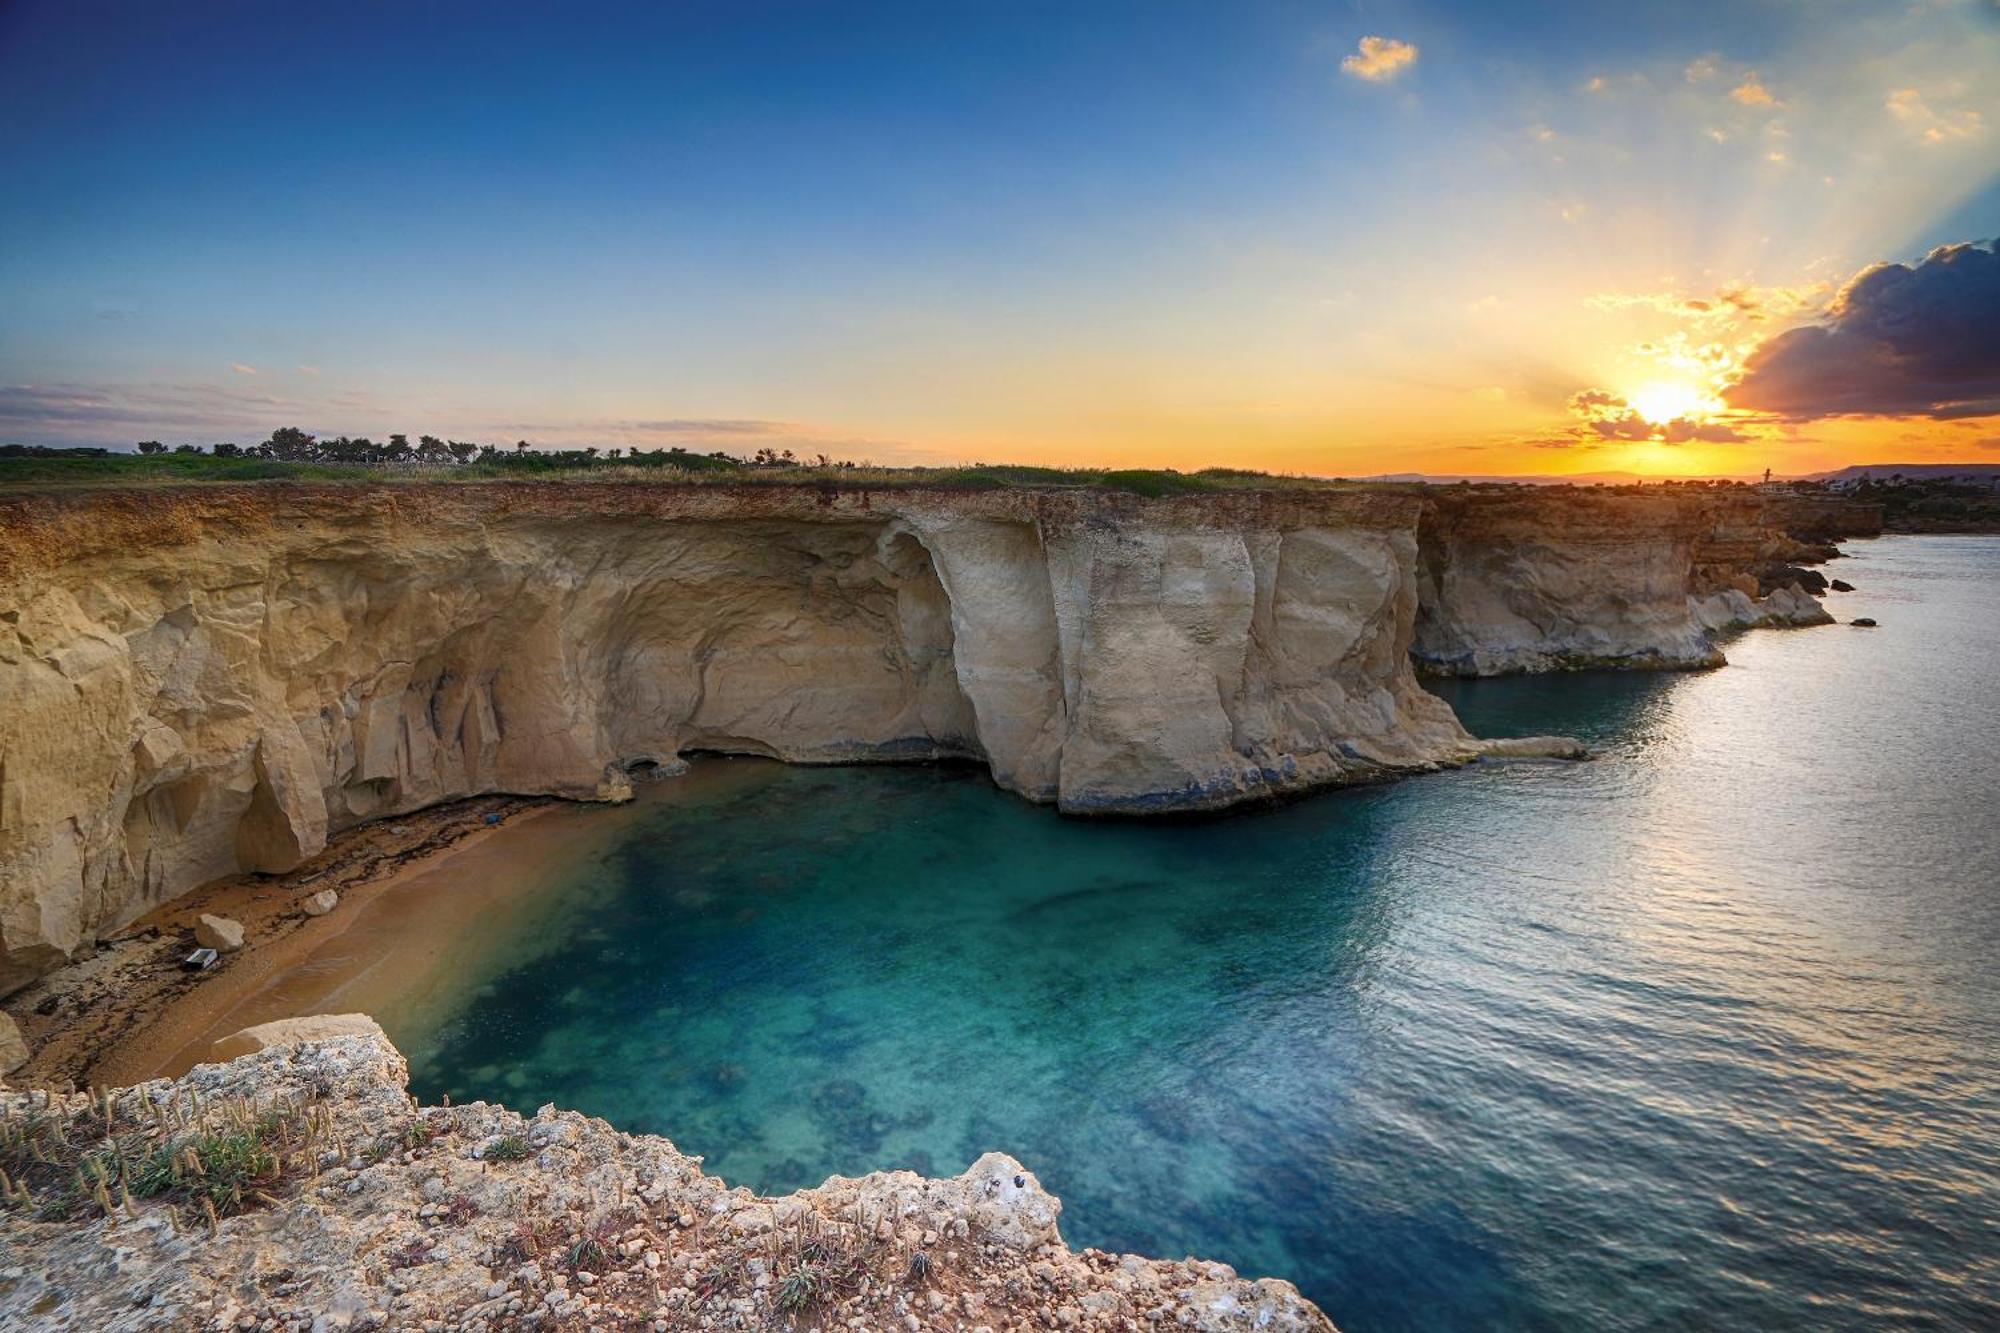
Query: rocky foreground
{"points": [[299, 1188]]}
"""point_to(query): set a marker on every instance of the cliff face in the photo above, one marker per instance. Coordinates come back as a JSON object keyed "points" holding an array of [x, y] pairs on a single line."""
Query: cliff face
{"points": [[199, 682], [1549, 580]]}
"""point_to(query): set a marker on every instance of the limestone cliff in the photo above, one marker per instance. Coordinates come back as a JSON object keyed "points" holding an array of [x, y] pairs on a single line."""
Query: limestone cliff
{"points": [[1551, 579], [202, 681]]}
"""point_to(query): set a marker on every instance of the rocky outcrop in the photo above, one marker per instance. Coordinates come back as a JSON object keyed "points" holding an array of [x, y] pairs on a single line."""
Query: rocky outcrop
{"points": [[205, 681], [359, 1210], [298, 1031]]}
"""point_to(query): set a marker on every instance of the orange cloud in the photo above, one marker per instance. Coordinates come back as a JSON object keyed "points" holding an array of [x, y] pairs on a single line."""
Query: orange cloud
{"points": [[1380, 59], [1908, 105], [1751, 92]]}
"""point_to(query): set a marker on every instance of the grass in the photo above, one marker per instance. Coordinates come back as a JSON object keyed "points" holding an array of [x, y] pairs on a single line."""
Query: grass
{"points": [[95, 1156], [50, 470], [508, 1148]]}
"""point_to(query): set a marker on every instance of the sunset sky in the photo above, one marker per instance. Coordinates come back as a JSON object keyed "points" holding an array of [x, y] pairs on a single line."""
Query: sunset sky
{"points": [[1336, 238]]}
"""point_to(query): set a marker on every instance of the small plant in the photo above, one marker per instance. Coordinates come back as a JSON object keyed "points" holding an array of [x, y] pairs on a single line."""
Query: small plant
{"points": [[92, 1155], [531, 1240], [920, 1266], [418, 1134], [799, 1288], [460, 1210], [587, 1252], [507, 1148]]}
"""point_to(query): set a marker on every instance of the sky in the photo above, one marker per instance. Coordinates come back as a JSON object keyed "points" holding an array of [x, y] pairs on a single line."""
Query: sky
{"points": [[1677, 238]]}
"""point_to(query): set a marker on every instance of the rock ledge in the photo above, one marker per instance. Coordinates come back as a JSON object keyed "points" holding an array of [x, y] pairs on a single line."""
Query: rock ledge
{"points": [[390, 1215]]}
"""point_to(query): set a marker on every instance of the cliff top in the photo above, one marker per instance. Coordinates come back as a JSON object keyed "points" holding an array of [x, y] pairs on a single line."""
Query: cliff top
{"points": [[300, 1188], [25, 469]]}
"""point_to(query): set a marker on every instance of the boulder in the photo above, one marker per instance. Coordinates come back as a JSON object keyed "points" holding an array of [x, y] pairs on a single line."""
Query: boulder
{"points": [[292, 1032], [218, 933], [13, 1046], [1862, 621], [1840, 585], [319, 904]]}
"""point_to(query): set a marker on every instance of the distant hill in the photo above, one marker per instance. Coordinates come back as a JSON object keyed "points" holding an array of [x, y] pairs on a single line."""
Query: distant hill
{"points": [[1570, 479], [1987, 474]]}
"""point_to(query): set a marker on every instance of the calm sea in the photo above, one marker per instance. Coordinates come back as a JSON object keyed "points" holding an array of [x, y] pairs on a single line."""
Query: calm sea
{"points": [[1702, 1034]]}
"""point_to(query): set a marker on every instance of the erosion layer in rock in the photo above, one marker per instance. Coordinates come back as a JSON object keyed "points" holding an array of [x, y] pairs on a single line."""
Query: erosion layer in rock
{"points": [[360, 1210], [200, 682]]}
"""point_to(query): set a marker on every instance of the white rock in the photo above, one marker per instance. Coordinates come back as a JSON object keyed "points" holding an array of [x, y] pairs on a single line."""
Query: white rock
{"points": [[13, 1046], [219, 933], [319, 904], [292, 1032]]}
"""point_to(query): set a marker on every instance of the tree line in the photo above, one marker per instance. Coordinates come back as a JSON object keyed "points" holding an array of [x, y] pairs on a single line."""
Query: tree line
{"points": [[289, 444]]}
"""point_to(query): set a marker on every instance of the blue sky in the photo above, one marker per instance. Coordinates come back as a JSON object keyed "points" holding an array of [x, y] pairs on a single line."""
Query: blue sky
{"points": [[1094, 233]]}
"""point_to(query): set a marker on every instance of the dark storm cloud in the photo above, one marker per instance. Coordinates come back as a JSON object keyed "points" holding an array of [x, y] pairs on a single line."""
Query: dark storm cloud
{"points": [[1898, 341]]}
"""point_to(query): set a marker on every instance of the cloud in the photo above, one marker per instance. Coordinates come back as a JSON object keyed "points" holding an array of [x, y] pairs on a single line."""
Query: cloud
{"points": [[706, 426], [1752, 92], [111, 414], [1897, 341], [1702, 70], [1380, 59], [1987, 442], [309, 370], [242, 369], [1607, 416], [1908, 106], [1736, 300]]}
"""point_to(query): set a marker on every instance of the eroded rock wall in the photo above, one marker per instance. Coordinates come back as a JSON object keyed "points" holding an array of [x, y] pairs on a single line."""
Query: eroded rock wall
{"points": [[200, 682], [1547, 579]]}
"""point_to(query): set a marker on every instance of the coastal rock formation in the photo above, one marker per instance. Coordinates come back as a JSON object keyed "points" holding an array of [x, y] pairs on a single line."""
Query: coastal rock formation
{"points": [[374, 1213], [1554, 579], [201, 682]]}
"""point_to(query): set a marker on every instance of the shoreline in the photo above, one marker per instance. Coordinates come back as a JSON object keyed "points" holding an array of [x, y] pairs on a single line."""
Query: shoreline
{"points": [[127, 1011]]}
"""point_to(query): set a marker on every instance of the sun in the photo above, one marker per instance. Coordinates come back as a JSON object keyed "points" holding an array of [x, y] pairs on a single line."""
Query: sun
{"points": [[1661, 401]]}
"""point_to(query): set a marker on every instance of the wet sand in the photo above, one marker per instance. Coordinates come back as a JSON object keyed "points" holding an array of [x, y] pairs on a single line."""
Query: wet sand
{"points": [[407, 949], [127, 1011], [434, 905]]}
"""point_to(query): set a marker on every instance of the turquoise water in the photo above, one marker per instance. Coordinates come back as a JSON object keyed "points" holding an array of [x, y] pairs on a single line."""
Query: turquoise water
{"points": [[1702, 1034]]}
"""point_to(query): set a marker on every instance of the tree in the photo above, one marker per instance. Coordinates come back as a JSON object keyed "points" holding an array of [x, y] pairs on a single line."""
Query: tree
{"points": [[187, 448], [228, 451], [291, 445], [151, 447], [520, 446], [431, 449], [462, 449]]}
